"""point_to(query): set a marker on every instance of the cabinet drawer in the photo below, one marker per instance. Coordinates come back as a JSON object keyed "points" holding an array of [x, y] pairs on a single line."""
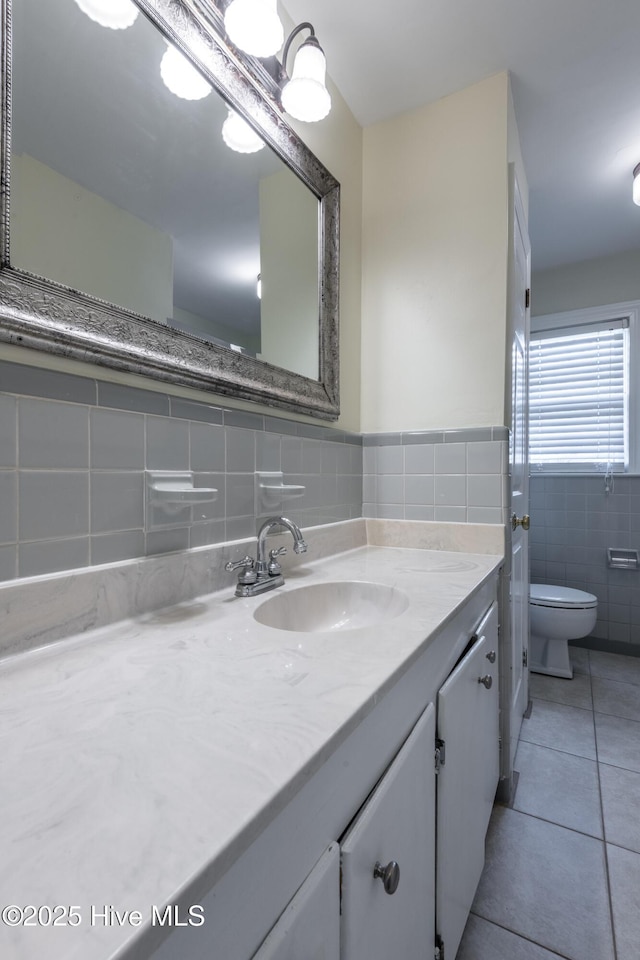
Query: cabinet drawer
{"points": [[396, 824]]}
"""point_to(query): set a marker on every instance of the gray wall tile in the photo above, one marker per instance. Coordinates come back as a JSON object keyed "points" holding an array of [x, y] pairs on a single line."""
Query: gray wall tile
{"points": [[390, 460], [53, 504], [208, 447], [419, 458], [35, 382], [8, 506], [8, 562], [111, 547], [484, 457], [390, 489], [53, 435], [167, 541], [117, 501], [484, 491], [130, 398], [204, 533], [241, 450], [291, 455], [167, 444], [240, 495], [450, 458], [117, 440], [48, 556], [267, 455], [190, 410], [419, 489], [450, 491], [8, 432]]}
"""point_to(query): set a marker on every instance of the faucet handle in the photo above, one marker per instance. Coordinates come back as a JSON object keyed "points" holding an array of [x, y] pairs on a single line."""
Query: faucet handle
{"points": [[274, 567], [246, 565]]}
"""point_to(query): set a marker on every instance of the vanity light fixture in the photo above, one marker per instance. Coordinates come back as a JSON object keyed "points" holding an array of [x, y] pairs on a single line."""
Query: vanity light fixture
{"points": [[636, 185], [259, 287], [305, 96], [115, 14], [254, 26], [239, 136], [181, 77]]}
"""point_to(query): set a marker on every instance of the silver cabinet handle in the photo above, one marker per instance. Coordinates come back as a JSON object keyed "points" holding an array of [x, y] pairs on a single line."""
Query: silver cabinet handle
{"points": [[390, 875], [491, 656], [487, 681]]}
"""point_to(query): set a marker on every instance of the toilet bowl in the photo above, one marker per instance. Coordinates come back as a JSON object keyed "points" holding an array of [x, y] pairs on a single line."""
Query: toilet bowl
{"points": [[557, 614]]}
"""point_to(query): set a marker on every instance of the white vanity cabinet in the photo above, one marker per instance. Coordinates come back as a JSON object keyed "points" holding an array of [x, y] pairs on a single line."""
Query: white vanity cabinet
{"points": [[393, 836], [467, 779], [378, 795], [310, 926]]}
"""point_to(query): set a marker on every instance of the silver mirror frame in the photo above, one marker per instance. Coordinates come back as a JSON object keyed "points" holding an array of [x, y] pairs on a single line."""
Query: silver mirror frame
{"points": [[50, 317]]}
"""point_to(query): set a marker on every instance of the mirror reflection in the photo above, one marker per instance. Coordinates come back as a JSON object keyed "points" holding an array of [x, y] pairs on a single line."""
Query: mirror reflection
{"points": [[123, 187]]}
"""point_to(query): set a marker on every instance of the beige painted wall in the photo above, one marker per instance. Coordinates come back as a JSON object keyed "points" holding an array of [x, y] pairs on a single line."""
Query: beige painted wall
{"points": [[62, 231], [435, 243], [589, 283]]}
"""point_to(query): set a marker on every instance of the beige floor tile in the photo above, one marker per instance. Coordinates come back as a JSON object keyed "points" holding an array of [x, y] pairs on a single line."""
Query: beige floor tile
{"points": [[616, 698], [618, 741], [547, 884], [621, 806], [486, 941], [558, 787], [613, 666], [624, 875], [575, 693], [561, 727]]}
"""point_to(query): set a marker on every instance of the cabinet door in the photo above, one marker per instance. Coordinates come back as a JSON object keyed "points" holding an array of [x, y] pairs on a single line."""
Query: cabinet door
{"points": [[396, 823], [468, 724], [309, 928]]}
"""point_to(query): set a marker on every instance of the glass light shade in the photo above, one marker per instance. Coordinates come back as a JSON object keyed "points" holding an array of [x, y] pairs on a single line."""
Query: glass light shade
{"points": [[636, 185], [115, 14], [305, 96], [181, 77], [254, 26], [239, 136]]}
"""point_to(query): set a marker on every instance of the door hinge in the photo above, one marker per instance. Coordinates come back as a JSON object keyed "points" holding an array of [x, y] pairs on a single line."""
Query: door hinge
{"points": [[439, 754], [438, 953], [527, 298], [525, 658]]}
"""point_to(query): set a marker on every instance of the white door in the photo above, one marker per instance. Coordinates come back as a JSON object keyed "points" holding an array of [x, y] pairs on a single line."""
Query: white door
{"points": [[469, 726], [516, 641], [397, 824]]}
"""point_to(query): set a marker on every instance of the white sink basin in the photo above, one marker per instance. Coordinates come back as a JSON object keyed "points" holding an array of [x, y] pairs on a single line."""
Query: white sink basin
{"points": [[330, 607]]}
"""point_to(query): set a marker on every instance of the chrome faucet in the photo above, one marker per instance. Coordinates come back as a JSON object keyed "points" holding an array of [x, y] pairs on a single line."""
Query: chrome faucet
{"points": [[265, 573]]}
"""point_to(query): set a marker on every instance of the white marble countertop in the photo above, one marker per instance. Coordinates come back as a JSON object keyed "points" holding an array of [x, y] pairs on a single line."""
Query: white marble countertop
{"points": [[139, 756]]}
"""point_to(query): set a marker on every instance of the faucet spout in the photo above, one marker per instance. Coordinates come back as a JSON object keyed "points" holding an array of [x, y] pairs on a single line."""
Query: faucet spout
{"points": [[299, 543]]}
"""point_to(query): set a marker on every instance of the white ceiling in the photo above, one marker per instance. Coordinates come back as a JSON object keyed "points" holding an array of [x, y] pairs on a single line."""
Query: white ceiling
{"points": [[575, 70]]}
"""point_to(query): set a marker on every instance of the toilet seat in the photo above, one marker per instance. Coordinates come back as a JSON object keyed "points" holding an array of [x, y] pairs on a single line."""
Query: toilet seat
{"points": [[548, 595]]}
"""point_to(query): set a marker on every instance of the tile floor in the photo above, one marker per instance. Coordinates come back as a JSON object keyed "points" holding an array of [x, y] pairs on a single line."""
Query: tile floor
{"points": [[562, 874]]}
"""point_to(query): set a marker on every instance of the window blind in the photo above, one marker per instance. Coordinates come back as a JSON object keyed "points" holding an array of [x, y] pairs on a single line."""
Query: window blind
{"points": [[578, 396]]}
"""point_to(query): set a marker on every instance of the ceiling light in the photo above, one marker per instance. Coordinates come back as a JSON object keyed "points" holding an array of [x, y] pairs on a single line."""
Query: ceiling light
{"points": [[116, 14], [254, 26], [636, 185], [239, 136], [181, 77], [305, 95]]}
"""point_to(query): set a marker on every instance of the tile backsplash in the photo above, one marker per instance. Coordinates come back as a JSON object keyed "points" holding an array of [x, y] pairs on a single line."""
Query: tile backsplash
{"points": [[573, 521], [73, 455], [452, 475]]}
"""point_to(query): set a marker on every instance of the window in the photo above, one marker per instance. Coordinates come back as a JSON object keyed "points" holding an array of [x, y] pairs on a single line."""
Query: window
{"points": [[578, 396]]}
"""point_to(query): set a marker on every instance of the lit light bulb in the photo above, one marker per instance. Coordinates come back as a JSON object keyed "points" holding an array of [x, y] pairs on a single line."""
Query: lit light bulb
{"points": [[254, 26], [115, 14], [181, 77], [305, 96], [239, 136]]}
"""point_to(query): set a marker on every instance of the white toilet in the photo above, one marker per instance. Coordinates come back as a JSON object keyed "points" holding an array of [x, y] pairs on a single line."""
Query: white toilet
{"points": [[558, 614]]}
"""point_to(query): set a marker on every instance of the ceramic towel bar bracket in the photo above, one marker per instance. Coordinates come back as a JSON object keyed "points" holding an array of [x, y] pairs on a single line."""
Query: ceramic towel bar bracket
{"points": [[172, 499], [272, 493], [620, 558]]}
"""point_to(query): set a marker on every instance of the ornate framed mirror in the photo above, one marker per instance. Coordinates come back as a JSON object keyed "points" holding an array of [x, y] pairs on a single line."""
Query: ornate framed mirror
{"points": [[133, 237]]}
